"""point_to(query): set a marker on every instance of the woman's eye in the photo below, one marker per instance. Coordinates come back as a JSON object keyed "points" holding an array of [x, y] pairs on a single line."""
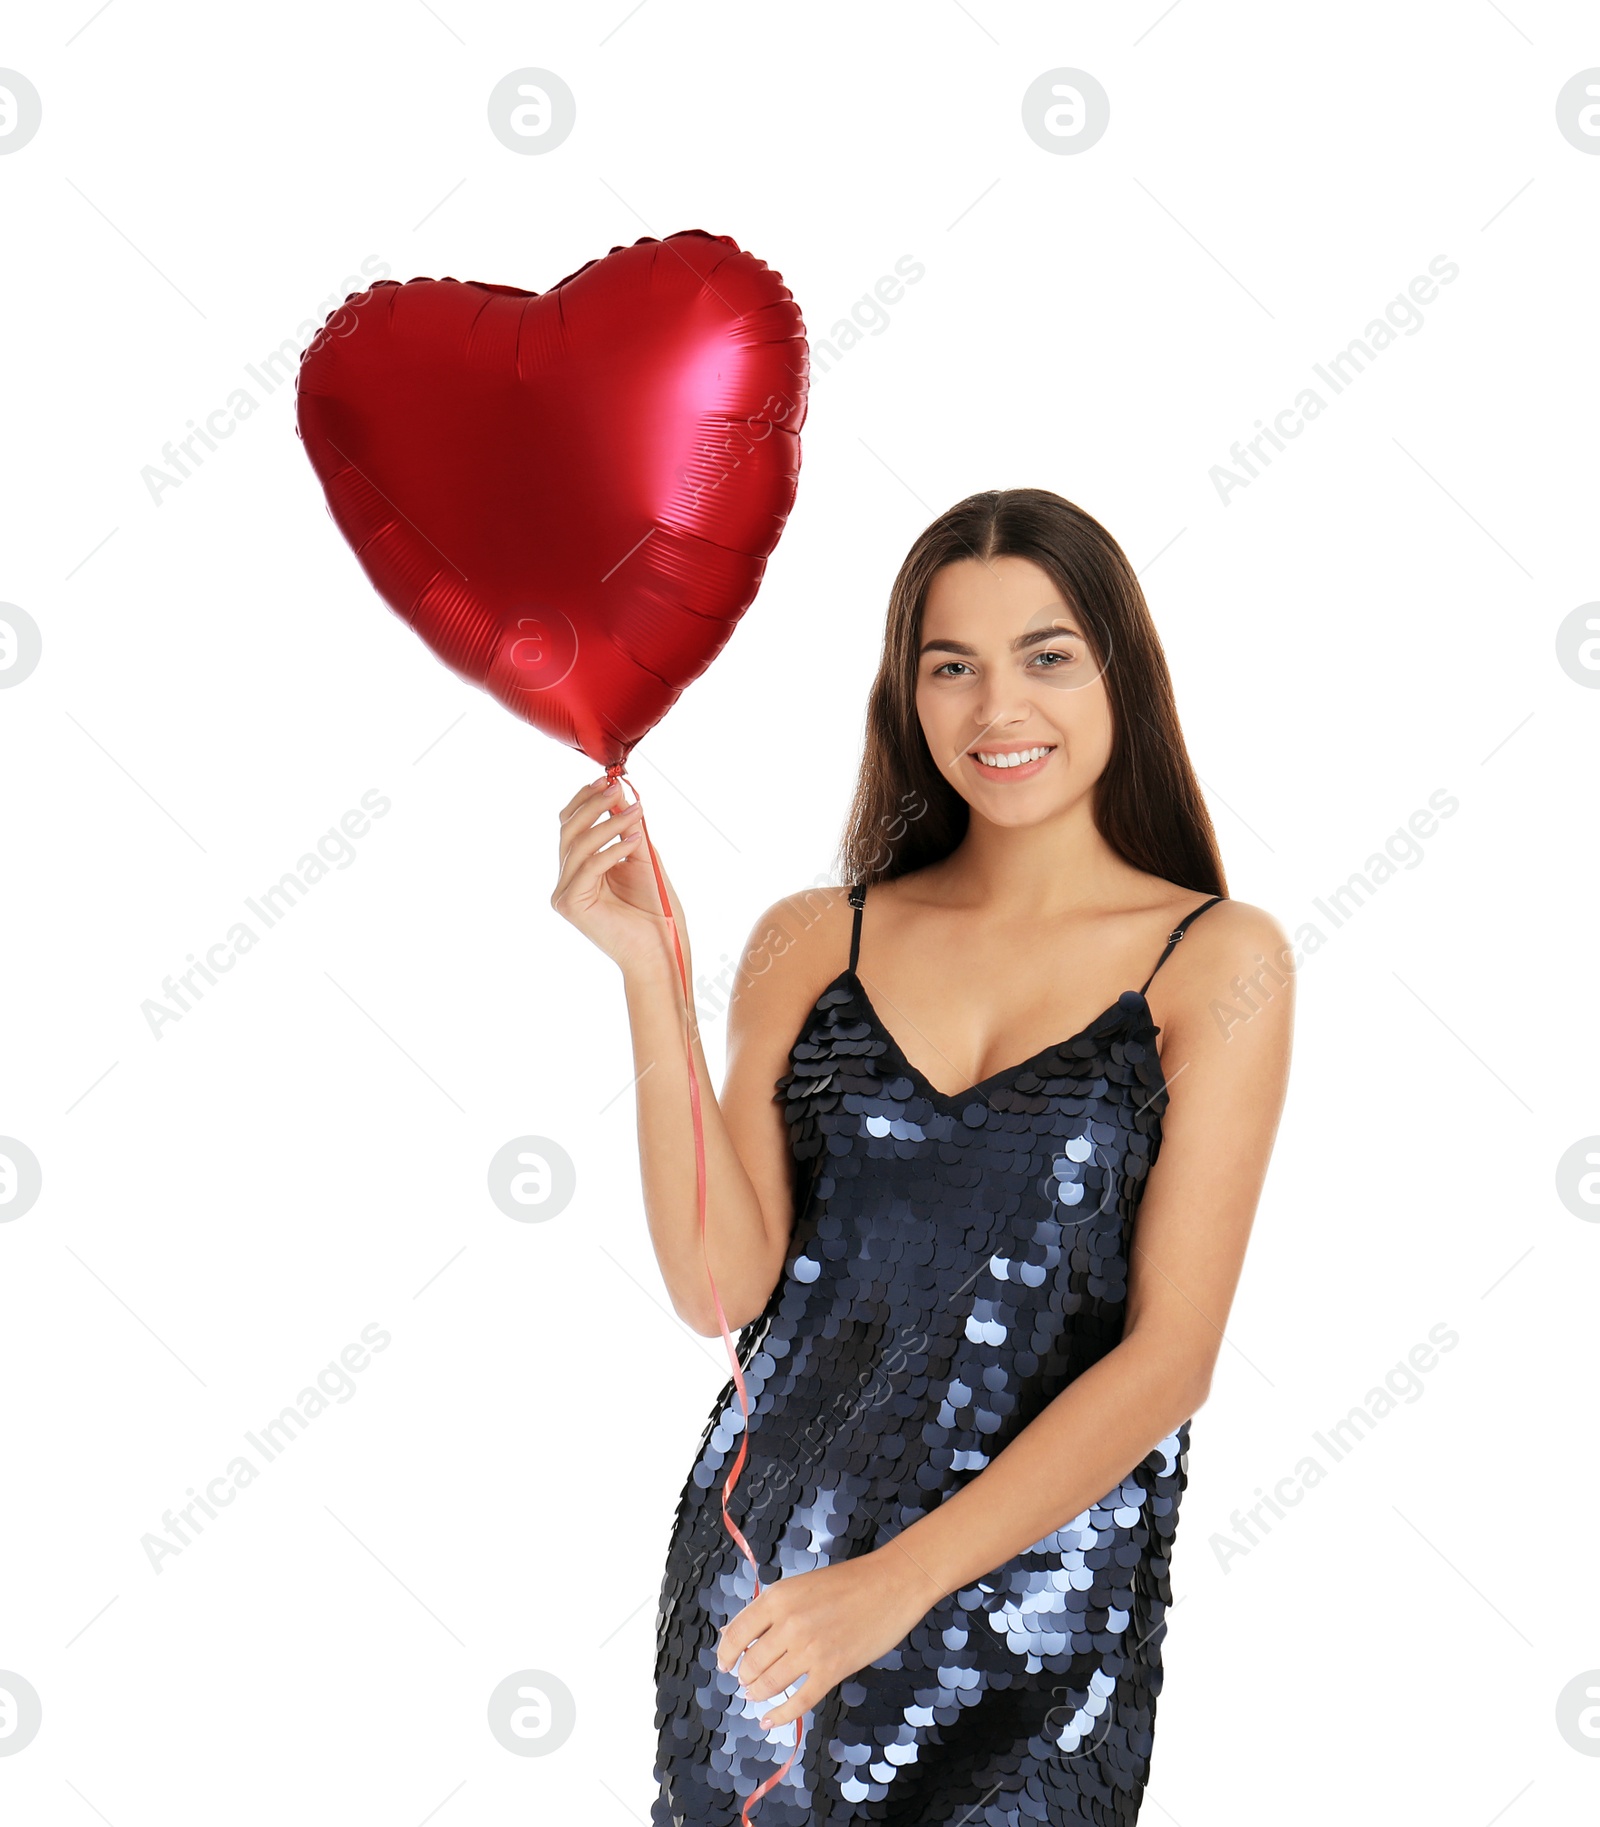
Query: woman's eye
{"points": [[1060, 659]]}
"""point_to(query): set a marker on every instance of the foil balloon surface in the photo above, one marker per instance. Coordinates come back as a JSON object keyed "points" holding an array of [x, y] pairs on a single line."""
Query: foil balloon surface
{"points": [[570, 495]]}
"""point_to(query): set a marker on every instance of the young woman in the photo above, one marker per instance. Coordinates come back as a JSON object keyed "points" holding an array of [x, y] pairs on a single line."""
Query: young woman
{"points": [[970, 1373]]}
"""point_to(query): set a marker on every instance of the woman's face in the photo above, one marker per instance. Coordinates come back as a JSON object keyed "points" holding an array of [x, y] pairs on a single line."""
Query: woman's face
{"points": [[1005, 670]]}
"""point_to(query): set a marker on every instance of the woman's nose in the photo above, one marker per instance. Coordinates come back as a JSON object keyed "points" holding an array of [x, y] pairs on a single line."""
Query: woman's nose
{"points": [[1000, 708]]}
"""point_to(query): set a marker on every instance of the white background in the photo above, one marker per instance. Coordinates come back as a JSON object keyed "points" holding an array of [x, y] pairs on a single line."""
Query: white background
{"points": [[304, 1153]]}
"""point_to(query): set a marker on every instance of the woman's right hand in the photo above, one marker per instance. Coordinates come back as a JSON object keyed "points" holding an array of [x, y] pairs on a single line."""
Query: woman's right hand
{"points": [[610, 893]]}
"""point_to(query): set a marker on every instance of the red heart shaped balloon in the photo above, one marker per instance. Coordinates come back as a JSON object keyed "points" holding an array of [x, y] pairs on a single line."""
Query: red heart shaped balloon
{"points": [[570, 495]]}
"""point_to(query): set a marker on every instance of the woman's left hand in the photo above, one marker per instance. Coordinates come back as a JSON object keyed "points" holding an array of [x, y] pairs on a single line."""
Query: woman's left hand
{"points": [[824, 1625]]}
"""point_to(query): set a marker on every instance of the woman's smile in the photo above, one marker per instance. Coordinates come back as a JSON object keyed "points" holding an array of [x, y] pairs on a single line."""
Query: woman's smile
{"points": [[1011, 760]]}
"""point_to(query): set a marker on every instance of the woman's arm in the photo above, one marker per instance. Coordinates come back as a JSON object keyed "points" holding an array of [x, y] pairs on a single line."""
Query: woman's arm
{"points": [[1227, 1071], [608, 890]]}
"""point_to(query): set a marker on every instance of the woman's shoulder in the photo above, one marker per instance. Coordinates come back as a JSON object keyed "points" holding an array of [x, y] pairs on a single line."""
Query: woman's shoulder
{"points": [[797, 947], [1225, 926], [806, 924], [1235, 961]]}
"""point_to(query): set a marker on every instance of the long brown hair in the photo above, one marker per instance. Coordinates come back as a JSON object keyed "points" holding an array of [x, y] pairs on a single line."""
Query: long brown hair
{"points": [[1147, 803]]}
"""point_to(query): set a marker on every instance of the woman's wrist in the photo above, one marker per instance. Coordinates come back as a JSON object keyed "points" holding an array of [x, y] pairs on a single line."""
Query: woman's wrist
{"points": [[917, 1586], [653, 970]]}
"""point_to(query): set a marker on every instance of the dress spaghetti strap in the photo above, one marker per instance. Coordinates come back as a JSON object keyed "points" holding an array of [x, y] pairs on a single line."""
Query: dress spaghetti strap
{"points": [[1177, 933], [858, 896]]}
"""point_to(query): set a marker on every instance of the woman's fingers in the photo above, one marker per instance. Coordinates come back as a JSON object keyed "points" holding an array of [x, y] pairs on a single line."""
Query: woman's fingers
{"points": [[584, 858], [785, 1712], [593, 821], [778, 1672], [585, 841], [595, 790], [590, 812], [591, 799], [744, 1628], [758, 1658], [584, 809], [751, 1641], [782, 1671], [755, 1647]]}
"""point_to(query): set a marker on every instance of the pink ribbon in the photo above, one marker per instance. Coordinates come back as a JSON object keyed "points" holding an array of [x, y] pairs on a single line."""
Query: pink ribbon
{"points": [[617, 770]]}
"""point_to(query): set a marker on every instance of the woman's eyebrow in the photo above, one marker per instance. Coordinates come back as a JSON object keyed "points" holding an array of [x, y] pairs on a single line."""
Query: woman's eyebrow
{"points": [[1032, 639]]}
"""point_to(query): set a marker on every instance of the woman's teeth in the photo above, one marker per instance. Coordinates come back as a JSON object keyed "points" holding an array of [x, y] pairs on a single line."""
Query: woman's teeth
{"points": [[1011, 761]]}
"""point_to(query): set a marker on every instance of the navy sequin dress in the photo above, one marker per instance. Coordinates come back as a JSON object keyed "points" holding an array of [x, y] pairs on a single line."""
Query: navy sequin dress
{"points": [[956, 1261]]}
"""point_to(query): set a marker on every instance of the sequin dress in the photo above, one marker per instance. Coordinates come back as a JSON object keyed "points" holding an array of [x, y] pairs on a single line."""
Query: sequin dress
{"points": [[955, 1262]]}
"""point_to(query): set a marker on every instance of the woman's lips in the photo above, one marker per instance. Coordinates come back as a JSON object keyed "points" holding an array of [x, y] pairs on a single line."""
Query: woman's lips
{"points": [[1017, 771]]}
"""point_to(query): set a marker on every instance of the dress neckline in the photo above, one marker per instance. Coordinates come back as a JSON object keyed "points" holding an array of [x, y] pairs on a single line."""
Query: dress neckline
{"points": [[954, 1100]]}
